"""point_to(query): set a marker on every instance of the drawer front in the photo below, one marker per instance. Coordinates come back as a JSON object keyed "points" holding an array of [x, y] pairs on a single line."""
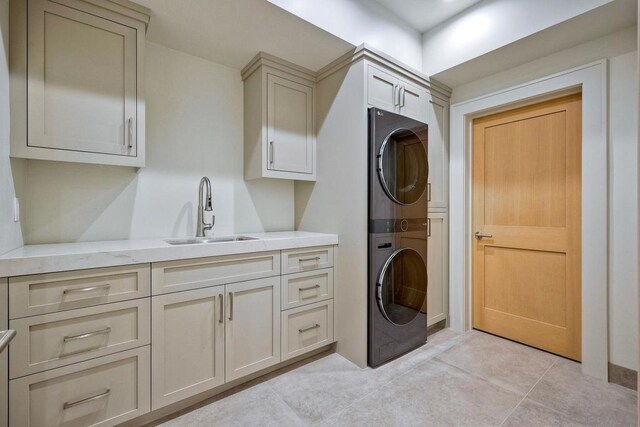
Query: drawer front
{"points": [[297, 260], [101, 392], [49, 293], [59, 339], [306, 328], [172, 276], [305, 288]]}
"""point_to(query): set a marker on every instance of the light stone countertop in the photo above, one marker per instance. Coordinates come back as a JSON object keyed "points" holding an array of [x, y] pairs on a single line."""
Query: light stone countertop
{"points": [[35, 259]]}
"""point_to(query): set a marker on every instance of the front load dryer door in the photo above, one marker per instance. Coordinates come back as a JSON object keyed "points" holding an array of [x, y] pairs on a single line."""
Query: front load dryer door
{"points": [[402, 286], [403, 167]]}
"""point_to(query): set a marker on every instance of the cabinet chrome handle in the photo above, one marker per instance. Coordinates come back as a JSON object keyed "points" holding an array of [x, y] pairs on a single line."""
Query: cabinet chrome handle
{"points": [[401, 96], [271, 152], [428, 227], [308, 288], [130, 132], [479, 235], [308, 328], [315, 258], [86, 335], [428, 192], [87, 289], [101, 395], [230, 305], [5, 338], [221, 315], [396, 99]]}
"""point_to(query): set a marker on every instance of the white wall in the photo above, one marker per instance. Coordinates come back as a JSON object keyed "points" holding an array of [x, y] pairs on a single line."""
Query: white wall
{"points": [[620, 48], [361, 21], [492, 24], [194, 128], [623, 227], [10, 234]]}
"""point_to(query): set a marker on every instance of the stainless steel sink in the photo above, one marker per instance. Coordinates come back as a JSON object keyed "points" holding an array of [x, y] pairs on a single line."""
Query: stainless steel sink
{"points": [[199, 240]]}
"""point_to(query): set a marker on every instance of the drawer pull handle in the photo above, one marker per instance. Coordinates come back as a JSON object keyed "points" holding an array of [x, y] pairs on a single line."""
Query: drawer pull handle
{"points": [[230, 305], [308, 328], [87, 335], [308, 288], [102, 395], [87, 289], [315, 258]]}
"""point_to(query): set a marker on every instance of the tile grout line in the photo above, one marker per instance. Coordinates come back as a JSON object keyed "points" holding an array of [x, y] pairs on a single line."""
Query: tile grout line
{"points": [[293, 411], [528, 393], [390, 381]]}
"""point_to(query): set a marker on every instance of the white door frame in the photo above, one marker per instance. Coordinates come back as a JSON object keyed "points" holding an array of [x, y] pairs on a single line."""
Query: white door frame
{"points": [[592, 80]]}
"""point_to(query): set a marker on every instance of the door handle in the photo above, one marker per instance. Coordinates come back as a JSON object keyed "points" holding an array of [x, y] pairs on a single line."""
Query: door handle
{"points": [[230, 305], [479, 235], [130, 133], [401, 96], [221, 314], [271, 152], [395, 98]]}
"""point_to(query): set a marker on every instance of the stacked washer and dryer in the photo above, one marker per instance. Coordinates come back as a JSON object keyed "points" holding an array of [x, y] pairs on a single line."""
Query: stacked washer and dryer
{"points": [[398, 230]]}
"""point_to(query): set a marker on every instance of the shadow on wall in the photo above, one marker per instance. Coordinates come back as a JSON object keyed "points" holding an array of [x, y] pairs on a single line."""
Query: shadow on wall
{"points": [[264, 205], [304, 190], [68, 202]]}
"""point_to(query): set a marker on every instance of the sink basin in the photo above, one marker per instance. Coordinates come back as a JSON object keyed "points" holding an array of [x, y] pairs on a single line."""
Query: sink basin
{"points": [[199, 240]]}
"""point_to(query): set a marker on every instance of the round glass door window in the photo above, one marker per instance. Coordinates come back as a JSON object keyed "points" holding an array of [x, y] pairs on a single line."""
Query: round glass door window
{"points": [[402, 286], [403, 167]]}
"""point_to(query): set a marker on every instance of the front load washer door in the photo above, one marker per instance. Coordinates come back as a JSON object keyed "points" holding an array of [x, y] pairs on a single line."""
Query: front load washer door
{"points": [[402, 286], [403, 167]]}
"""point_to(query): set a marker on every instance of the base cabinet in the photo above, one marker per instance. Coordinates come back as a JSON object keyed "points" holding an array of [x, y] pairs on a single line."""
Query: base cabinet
{"points": [[252, 326], [188, 344], [437, 268], [101, 363], [100, 392]]}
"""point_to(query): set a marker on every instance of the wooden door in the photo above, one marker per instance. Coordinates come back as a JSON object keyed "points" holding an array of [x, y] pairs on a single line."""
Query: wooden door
{"points": [[252, 339], [188, 344], [289, 125], [382, 89], [527, 200], [82, 81]]}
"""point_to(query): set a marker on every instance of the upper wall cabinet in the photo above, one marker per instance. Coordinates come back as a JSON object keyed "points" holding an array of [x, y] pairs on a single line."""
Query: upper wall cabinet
{"points": [[396, 94], [83, 93], [279, 120], [438, 188]]}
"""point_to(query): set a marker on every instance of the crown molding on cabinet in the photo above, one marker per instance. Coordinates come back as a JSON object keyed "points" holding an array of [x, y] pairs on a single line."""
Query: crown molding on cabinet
{"points": [[365, 51], [121, 7], [263, 58]]}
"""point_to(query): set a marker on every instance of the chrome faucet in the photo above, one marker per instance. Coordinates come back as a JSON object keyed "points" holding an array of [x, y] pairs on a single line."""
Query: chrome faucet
{"points": [[202, 225]]}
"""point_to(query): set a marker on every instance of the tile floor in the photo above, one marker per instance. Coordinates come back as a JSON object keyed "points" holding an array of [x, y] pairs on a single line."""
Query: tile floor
{"points": [[473, 379]]}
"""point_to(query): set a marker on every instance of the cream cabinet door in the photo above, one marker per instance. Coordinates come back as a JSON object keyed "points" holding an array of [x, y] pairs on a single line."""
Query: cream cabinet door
{"points": [[437, 268], [188, 344], [412, 101], [382, 89], [290, 135], [81, 81], [252, 326], [438, 188]]}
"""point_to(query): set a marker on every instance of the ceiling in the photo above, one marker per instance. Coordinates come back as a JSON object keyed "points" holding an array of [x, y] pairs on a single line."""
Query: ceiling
{"points": [[596, 23], [231, 32], [423, 15]]}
